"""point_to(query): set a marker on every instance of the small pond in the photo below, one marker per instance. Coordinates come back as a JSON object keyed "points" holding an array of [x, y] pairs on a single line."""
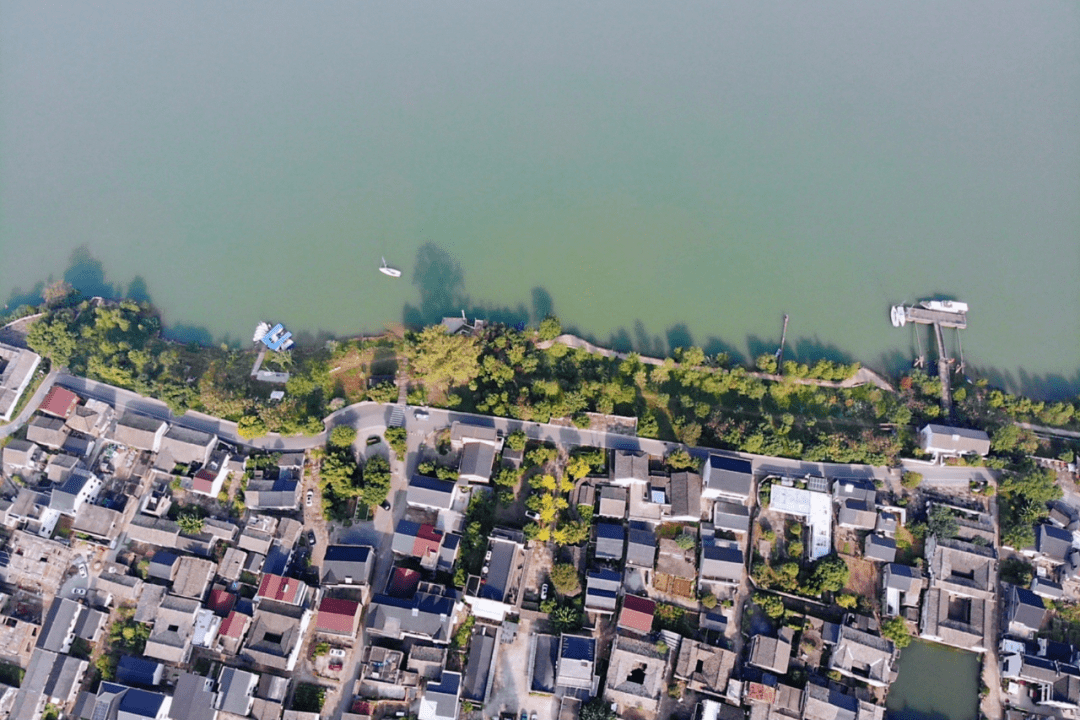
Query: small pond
{"points": [[936, 682]]}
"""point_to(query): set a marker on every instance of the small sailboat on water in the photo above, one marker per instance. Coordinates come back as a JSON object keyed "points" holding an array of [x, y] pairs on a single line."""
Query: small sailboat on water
{"points": [[387, 270]]}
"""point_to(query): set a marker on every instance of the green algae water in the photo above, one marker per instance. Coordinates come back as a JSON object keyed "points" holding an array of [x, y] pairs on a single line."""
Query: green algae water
{"points": [[655, 174], [935, 683]]}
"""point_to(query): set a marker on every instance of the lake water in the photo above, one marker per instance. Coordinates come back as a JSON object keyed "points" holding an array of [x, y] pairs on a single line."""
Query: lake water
{"points": [[656, 174], [935, 683]]}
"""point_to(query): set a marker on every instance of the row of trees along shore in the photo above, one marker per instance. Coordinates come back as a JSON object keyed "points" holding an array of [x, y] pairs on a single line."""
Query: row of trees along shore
{"points": [[690, 398]]}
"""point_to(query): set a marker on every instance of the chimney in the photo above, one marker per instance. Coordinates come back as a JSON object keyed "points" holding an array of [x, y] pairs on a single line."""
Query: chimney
{"points": [[416, 612]]}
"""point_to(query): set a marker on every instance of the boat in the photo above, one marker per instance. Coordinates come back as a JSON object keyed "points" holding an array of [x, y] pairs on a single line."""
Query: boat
{"points": [[898, 315], [387, 270], [949, 306], [260, 331]]}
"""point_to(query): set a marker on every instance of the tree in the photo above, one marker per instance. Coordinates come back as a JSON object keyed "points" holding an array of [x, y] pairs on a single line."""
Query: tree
{"points": [[597, 709], [250, 427], [771, 605], [680, 459], [942, 522], [397, 438], [766, 363], [516, 440], [830, 574], [342, 436], [376, 481], [565, 618], [550, 328], [56, 293], [910, 479], [190, 523], [846, 601], [441, 358], [52, 338], [895, 629], [565, 579]]}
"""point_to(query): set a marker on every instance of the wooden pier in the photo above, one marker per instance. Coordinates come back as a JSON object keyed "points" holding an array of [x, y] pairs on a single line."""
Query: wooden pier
{"points": [[939, 318]]}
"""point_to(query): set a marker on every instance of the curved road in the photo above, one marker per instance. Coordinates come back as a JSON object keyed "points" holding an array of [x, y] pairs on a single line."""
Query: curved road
{"points": [[371, 418]]}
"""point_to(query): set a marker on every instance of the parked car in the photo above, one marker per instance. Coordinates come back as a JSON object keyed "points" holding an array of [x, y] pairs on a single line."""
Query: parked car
{"points": [[82, 571], [79, 591], [337, 652], [533, 716], [310, 497], [374, 440], [420, 414], [532, 515], [524, 715], [336, 665], [543, 592], [385, 505], [311, 537]]}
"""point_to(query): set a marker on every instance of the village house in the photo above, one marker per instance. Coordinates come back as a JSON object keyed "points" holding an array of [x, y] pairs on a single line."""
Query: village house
{"points": [[771, 653], [493, 593], [440, 700], [425, 616], [727, 478], [943, 441], [636, 676], [182, 445], [139, 432], [684, 498], [50, 432], [348, 565], [476, 461], [958, 606], [59, 402], [704, 668], [863, 657], [1024, 612], [338, 617], [276, 635], [903, 588], [576, 665], [464, 433], [629, 468], [602, 591], [173, 629], [236, 691]]}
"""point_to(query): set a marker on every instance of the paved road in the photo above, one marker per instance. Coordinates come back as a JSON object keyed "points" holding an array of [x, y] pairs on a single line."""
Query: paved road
{"points": [[35, 400], [371, 418]]}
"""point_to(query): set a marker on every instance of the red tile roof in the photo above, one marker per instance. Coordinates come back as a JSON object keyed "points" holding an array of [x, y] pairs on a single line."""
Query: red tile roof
{"points": [[234, 626], [427, 541], [637, 614], [203, 481], [338, 616], [59, 401], [221, 601], [276, 587]]}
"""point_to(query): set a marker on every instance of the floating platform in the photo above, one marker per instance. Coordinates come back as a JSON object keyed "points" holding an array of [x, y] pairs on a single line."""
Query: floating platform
{"points": [[275, 338]]}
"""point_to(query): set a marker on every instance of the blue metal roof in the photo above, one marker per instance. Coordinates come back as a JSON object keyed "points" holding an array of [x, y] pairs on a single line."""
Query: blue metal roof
{"points": [[578, 648], [610, 531]]}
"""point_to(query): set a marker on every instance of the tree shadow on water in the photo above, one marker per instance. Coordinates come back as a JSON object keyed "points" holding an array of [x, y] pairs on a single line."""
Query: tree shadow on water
{"points": [[441, 282], [87, 275]]}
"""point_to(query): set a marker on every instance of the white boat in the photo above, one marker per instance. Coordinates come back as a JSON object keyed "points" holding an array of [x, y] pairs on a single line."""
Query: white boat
{"points": [[387, 270], [260, 330], [898, 315], [949, 306]]}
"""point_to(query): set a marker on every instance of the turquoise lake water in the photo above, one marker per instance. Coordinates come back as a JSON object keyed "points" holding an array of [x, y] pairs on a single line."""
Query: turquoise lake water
{"points": [[657, 174]]}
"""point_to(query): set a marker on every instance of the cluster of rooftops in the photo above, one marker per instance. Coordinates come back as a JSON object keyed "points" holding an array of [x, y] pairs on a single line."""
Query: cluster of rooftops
{"points": [[241, 591]]}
